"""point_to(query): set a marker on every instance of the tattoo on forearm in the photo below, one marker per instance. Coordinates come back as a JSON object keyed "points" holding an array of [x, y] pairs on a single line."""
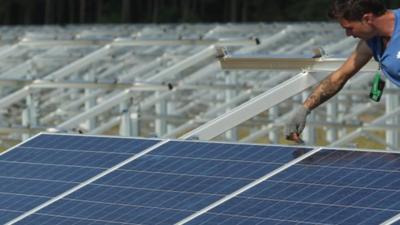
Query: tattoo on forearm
{"points": [[325, 90]]}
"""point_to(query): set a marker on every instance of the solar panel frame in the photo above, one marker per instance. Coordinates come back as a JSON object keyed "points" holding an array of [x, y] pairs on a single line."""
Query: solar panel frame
{"points": [[77, 135], [392, 220]]}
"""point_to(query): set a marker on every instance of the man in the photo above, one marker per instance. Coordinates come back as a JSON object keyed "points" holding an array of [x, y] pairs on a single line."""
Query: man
{"points": [[379, 32]]}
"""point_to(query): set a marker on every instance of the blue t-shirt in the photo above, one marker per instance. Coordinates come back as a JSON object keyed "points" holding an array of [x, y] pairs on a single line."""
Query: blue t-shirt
{"points": [[389, 59]]}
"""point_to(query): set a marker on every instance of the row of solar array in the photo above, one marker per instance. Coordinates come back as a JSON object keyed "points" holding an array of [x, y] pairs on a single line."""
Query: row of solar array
{"points": [[64, 179], [91, 57]]}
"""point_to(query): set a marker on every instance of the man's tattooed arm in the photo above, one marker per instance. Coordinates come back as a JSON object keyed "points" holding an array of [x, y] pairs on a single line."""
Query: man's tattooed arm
{"points": [[335, 81], [324, 91]]}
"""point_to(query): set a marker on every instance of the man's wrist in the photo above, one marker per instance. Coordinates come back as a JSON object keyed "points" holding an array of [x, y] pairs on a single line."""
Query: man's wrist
{"points": [[307, 108]]}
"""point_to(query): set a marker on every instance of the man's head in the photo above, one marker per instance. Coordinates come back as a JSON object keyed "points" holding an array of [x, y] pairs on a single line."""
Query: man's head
{"points": [[357, 16], [354, 10]]}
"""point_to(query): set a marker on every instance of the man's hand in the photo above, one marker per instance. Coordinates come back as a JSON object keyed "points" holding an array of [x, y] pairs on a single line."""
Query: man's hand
{"points": [[296, 123]]}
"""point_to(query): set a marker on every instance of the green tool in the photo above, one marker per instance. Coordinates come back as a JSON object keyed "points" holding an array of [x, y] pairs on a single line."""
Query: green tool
{"points": [[377, 88]]}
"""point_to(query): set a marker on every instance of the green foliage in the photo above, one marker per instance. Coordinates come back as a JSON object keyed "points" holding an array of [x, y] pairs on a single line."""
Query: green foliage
{"points": [[314, 10], [164, 11], [110, 12]]}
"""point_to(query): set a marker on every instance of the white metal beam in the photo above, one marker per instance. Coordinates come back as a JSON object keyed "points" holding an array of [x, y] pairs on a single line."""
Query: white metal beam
{"points": [[255, 106], [165, 74], [14, 97], [106, 105], [272, 63], [125, 42], [378, 121]]}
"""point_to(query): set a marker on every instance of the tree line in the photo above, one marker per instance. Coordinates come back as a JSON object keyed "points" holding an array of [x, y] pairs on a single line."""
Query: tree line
{"points": [[27, 12]]}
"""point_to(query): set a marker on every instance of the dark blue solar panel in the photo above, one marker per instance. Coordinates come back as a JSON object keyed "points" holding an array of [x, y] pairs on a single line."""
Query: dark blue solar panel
{"points": [[51, 220], [90, 144], [49, 165], [7, 215], [330, 187], [168, 184]]}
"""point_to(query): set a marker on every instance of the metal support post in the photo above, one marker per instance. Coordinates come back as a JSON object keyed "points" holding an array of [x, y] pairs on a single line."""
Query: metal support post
{"points": [[341, 109], [171, 109], [161, 122], [331, 116], [230, 78], [91, 102], [25, 122], [309, 133], [135, 121], [392, 102], [125, 128], [273, 134], [29, 117]]}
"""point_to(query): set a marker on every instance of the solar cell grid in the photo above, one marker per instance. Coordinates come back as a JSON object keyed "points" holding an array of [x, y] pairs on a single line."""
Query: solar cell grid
{"points": [[179, 178], [89, 143], [7, 215], [168, 184], [48, 165], [329, 187]]}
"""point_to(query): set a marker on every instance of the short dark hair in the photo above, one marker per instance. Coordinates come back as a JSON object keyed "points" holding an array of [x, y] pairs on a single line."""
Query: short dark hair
{"points": [[354, 10]]}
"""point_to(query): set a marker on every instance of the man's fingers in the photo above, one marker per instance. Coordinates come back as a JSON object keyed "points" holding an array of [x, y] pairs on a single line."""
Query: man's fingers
{"points": [[296, 124], [294, 136]]}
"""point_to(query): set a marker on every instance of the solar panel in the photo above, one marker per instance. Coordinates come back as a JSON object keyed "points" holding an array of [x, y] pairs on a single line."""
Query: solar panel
{"points": [[329, 187], [48, 165], [63, 179], [166, 185]]}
